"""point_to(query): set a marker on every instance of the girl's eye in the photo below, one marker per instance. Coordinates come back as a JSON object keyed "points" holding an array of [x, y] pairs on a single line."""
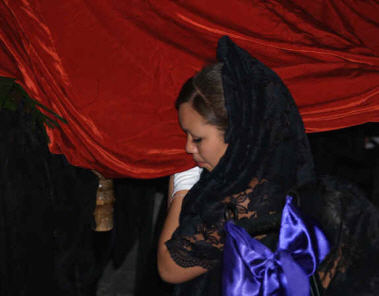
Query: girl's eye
{"points": [[196, 140]]}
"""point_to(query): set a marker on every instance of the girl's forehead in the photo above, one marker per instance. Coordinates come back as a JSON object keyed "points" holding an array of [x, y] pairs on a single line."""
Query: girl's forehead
{"points": [[191, 121], [188, 115]]}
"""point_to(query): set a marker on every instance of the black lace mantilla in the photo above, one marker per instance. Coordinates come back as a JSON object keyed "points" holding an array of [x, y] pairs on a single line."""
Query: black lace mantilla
{"points": [[268, 153], [267, 157]]}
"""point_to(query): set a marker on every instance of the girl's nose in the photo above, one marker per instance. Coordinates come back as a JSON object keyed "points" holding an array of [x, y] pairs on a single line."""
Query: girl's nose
{"points": [[191, 147]]}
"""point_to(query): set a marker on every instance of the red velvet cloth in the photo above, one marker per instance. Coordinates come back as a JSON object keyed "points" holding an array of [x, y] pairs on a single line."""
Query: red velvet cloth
{"points": [[113, 69]]}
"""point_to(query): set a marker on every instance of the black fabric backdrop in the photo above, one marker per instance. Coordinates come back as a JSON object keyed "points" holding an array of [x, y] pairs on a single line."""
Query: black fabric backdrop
{"points": [[47, 245], [46, 207]]}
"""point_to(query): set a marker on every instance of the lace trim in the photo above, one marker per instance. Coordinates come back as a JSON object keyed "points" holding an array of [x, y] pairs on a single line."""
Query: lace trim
{"points": [[180, 252]]}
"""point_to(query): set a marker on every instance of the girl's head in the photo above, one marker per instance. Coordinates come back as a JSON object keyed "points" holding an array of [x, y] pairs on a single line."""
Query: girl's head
{"points": [[203, 116]]}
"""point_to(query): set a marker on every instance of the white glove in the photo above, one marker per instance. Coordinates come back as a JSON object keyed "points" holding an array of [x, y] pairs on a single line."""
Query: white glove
{"points": [[185, 180]]}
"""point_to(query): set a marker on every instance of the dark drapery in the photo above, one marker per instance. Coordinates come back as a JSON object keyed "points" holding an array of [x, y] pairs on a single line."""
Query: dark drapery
{"points": [[47, 245], [112, 69]]}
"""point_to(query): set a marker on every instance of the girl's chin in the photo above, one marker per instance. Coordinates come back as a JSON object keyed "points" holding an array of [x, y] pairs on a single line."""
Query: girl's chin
{"points": [[204, 165], [201, 164]]}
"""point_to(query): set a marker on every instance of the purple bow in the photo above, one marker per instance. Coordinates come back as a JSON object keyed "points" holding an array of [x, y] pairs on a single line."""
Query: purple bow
{"points": [[251, 268]]}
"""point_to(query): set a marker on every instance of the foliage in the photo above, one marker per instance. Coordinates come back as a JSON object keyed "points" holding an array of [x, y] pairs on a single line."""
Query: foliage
{"points": [[12, 96]]}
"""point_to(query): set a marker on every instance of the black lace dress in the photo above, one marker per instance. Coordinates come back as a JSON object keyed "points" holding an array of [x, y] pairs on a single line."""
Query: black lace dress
{"points": [[349, 220], [256, 212]]}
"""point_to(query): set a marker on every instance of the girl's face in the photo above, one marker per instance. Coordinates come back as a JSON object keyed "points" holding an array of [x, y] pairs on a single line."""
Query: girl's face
{"points": [[204, 141]]}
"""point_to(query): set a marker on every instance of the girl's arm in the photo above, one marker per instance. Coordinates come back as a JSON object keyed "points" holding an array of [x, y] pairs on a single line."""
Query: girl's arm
{"points": [[167, 267]]}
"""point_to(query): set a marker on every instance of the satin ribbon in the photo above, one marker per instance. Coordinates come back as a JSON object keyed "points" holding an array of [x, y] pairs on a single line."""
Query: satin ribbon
{"points": [[251, 268]]}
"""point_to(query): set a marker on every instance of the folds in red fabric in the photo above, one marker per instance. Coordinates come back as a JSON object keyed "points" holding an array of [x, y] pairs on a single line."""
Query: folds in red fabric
{"points": [[113, 69]]}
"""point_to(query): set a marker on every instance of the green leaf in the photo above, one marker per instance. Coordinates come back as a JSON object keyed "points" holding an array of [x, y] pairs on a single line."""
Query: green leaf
{"points": [[11, 93]]}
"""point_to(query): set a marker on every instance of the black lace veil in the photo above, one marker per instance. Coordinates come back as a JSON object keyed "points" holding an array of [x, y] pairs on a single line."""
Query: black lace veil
{"points": [[267, 157], [268, 154]]}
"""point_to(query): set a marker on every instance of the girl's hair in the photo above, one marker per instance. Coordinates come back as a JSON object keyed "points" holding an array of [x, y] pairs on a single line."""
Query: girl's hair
{"points": [[205, 92]]}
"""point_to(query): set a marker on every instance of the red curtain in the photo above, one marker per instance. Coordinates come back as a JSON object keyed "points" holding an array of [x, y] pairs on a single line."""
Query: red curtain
{"points": [[112, 69]]}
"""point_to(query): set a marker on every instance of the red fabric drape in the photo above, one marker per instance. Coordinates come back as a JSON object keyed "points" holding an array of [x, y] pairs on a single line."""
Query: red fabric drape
{"points": [[112, 69]]}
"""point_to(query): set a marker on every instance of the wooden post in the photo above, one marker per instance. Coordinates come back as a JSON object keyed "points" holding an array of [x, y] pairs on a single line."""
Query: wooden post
{"points": [[105, 199]]}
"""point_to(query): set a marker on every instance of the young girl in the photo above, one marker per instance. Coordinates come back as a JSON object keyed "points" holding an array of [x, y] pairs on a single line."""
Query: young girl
{"points": [[245, 132]]}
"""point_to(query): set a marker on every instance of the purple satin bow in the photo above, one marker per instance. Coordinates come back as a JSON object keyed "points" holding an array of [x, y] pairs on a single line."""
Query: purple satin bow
{"points": [[251, 268]]}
